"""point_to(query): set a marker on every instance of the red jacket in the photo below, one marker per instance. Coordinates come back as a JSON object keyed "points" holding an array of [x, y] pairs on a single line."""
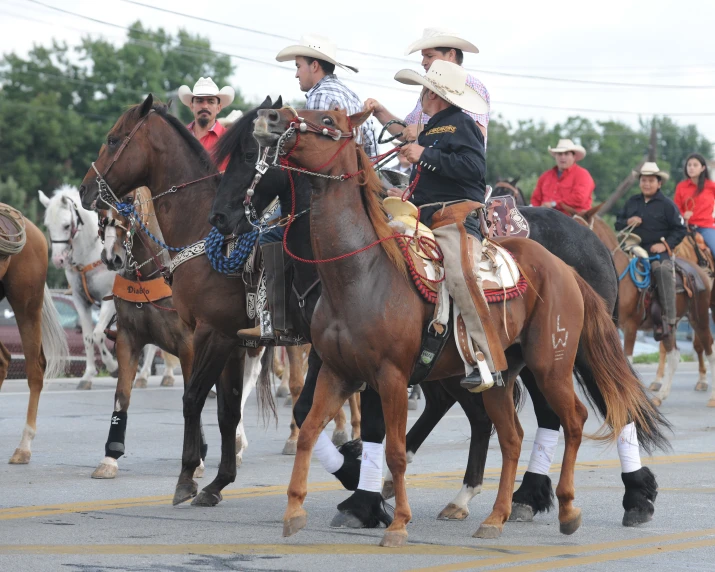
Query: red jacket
{"points": [[574, 188], [210, 139], [701, 206]]}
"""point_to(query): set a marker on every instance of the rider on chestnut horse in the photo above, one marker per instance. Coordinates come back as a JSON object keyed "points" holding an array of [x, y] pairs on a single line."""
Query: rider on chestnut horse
{"points": [[451, 167]]}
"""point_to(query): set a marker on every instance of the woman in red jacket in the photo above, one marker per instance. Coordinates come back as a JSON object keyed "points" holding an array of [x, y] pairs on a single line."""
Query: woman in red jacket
{"points": [[695, 197]]}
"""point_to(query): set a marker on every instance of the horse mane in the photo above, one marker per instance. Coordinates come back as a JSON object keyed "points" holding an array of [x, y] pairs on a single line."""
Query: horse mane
{"points": [[372, 200]]}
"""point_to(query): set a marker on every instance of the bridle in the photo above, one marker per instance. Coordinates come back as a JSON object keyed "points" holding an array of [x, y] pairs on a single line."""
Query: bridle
{"points": [[76, 223]]}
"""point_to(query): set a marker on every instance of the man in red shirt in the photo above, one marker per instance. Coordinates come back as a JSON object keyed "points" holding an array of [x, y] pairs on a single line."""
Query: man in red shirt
{"points": [[206, 102], [567, 183]]}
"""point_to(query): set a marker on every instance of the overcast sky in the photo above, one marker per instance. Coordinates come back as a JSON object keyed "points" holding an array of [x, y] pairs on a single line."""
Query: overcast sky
{"points": [[655, 42]]}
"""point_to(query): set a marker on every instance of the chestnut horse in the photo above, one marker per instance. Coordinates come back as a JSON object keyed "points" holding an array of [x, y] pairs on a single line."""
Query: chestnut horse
{"points": [[148, 147], [368, 299], [44, 343]]}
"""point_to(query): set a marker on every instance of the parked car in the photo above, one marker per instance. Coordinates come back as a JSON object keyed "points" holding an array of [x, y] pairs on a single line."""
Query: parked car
{"points": [[69, 318]]}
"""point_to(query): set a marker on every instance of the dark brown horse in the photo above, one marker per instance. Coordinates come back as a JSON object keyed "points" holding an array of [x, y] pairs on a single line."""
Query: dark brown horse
{"points": [[44, 344], [368, 326], [148, 147]]}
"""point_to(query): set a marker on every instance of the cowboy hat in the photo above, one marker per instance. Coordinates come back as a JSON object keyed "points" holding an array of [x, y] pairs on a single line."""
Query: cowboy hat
{"points": [[650, 168], [314, 46], [566, 145], [449, 81], [231, 118], [440, 38], [206, 87]]}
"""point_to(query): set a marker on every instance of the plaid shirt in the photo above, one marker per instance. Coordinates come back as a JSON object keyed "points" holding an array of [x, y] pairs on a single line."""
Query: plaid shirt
{"points": [[330, 93], [418, 116]]}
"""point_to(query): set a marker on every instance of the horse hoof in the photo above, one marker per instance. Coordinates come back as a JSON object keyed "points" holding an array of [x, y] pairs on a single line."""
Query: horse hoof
{"points": [[85, 384], [634, 517], [340, 438], [105, 471], [239, 460], [290, 448], [412, 404], [388, 490], [657, 401], [167, 381], [185, 492], [570, 526], [346, 520], [282, 391], [288, 402], [711, 403], [140, 383], [655, 386], [453, 512], [207, 499], [521, 513], [701, 386], [212, 394], [295, 524], [20, 457], [394, 538], [488, 531]]}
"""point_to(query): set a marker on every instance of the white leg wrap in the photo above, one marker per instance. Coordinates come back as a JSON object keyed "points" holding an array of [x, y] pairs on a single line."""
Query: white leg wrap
{"points": [[465, 495], [371, 467], [628, 449], [28, 434], [328, 454], [542, 455]]}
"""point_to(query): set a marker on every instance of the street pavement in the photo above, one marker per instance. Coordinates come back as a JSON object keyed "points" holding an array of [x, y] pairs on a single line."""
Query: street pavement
{"points": [[54, 517]]}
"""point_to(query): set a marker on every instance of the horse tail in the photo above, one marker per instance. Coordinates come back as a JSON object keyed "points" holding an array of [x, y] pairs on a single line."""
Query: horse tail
{"points": [[608, 380], [264, 386], [54, 338]]}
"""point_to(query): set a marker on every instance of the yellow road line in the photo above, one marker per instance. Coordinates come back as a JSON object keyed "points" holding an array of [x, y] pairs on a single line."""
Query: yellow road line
{"points": [[556, 551], [429, 480]]}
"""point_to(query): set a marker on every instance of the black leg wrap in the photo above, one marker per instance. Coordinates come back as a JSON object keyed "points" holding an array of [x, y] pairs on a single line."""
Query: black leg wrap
{"points": [[204, 444], [114, 447], [363, 510], [536, 492], [639, 498], [349, 473]]}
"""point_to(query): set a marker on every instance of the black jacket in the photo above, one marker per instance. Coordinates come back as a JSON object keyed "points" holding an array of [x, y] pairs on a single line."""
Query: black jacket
{"points": [[453, 165], [660, 216]]}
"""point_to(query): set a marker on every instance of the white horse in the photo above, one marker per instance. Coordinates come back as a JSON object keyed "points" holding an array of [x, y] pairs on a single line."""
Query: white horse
{"points": [[76, 248]]}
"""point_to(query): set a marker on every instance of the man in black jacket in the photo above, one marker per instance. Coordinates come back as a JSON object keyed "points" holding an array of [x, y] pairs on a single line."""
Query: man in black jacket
{"points": [[658, 223], [451, 168]]}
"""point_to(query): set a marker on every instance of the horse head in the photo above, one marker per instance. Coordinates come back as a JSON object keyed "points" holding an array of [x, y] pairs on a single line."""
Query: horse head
{"points": [[505, 187], [241, 148]]}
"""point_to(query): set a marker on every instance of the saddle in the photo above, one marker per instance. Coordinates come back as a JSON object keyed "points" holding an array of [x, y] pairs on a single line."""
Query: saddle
{"points": [[12, 231], [504, 218]]}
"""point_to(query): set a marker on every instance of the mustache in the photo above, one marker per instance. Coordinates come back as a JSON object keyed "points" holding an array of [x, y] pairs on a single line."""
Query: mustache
{"points": [[204, 111]]}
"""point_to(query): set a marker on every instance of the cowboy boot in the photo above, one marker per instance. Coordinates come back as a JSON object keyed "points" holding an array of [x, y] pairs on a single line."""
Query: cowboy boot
{"points": [[665, 285]]}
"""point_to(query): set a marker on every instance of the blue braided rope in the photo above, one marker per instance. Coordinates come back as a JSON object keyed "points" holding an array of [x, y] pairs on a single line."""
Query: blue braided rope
{"points": [[641, 278], [233, 263], [127, 209]]}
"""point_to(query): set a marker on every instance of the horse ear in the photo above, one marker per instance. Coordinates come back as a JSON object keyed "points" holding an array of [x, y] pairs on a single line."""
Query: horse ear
{"points": [[44, 199], [146, 106], [515, 180], [266, 103], [358, 119], [279, 102]]}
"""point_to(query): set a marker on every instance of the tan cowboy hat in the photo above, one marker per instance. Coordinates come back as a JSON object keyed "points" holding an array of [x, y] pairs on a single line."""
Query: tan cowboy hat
{"points": [[449, 81], [440, 38], [566, 145], [650, 168], [314, 46], [206, 87]]}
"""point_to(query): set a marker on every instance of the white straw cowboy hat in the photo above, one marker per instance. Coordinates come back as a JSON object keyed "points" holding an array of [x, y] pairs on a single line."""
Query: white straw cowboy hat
{"points": [[231, 118], [440, 38], [314, 46], [650, 168], [206, 87], [449, 81], [566, 145]]}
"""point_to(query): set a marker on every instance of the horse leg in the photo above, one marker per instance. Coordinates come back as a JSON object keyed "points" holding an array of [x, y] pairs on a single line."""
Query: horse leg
{"points": [[106, 311], [415, 394], [700, 321], [702, 384], [340, 434], [171, 362], [186, 359], [5, 359], [281, 370], [330, 394], [128, 358], [672, 358], [29, 321], [251, 371], [229, 393], [354, 402], [660, 372], [211, 350], [295, 386], [142, 379], [500, 408], [85, 320], [536, 494]]}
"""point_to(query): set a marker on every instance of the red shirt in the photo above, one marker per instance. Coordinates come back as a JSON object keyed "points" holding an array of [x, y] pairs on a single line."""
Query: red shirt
{"points": [[209, 140], [702, 206], [574, 188]]}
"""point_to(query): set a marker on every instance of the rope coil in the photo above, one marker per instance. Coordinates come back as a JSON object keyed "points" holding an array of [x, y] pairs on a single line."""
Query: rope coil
{"points": [[12, 243]]}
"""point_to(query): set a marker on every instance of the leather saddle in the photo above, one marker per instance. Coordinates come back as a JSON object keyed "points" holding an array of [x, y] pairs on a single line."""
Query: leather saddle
{"points": [[504, 218]]}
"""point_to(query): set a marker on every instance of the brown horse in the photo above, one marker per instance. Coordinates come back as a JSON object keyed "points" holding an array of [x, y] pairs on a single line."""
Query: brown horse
{"points": [[632, 316], [44, 344], [368, 326], [148, 147]]}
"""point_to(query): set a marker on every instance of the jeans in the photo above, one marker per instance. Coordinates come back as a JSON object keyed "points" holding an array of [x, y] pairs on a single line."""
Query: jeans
{"points": [[708, 235], [275, 234]]}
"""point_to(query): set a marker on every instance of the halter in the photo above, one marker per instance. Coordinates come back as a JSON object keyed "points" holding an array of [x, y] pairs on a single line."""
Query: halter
{"points": [[75, 224]]}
